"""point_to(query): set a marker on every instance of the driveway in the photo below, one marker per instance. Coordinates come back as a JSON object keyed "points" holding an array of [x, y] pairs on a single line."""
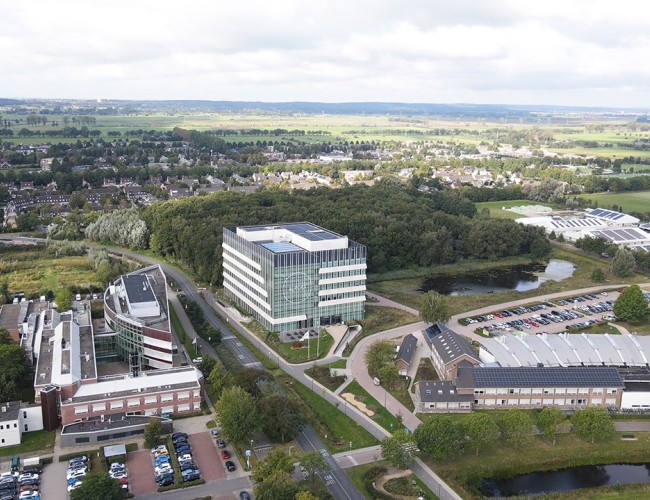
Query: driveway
{"points": [[53, 481], [205, 456], [141, 476]]}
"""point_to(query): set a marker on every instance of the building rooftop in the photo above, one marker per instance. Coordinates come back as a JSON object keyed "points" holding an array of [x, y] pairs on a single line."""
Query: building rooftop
{"points": [[433, 391], [407, 349], [449, 345], [148, 381], [538, 377], [292, 237], [612, 215], [138, 288], [9, 411]]}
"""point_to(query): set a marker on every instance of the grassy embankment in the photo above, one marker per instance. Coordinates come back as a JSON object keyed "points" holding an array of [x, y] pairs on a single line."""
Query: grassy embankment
{"points": [[636, 201], [501, 461], [406, 291]]}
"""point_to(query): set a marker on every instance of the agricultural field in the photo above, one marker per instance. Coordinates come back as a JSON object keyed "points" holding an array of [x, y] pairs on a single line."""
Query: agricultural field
{"points": [[638, 201]]}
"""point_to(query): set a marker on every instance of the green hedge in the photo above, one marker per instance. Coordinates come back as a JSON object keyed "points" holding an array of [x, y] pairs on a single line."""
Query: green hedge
{"points": [[369, 477]]}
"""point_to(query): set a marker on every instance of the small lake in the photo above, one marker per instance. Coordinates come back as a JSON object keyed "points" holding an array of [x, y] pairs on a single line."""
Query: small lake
{"points": [[588, 476], [520, 278]]}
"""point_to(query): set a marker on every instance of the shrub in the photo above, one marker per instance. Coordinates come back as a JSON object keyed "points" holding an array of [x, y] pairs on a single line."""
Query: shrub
{"points": [[297, 344]]}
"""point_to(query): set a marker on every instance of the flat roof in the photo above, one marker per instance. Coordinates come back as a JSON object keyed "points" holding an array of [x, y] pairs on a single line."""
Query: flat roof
{"points": [[432, 391], [307, 230], [539, 377], [138, 288], [281, 247]]}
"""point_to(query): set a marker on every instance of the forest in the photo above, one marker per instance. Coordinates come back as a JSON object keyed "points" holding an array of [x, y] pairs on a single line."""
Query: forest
{"points": [[401, 226]]}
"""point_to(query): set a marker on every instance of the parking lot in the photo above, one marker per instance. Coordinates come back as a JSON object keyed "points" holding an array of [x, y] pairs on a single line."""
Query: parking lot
{"points": [[141, 473], [555, 316], [206, 457]]}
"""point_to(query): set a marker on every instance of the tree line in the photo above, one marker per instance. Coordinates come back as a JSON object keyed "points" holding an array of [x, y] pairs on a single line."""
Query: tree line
{"points": [[400, 226]]}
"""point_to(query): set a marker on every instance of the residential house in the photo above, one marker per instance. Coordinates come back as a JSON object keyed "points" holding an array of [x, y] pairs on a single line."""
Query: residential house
{"points": [[406, 353]]}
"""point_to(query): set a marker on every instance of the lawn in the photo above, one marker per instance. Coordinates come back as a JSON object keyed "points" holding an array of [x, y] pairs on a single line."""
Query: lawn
{"points": [[637, 201], [308, 351], [356, 476], [327, 419], [464, 473], [382, 416], [33, 443], [378, 319]]}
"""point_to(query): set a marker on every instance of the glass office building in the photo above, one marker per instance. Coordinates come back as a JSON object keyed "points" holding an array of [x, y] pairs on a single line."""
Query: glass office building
{"points": [[294, 276]]}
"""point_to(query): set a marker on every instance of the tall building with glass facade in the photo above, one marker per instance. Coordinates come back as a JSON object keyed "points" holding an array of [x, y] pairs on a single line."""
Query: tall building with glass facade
{"points": [[294, 276]]}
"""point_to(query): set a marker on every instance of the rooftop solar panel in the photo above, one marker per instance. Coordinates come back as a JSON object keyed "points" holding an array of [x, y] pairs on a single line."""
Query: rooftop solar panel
{"points": [[544, 377], [281, 247], [618, 216]]}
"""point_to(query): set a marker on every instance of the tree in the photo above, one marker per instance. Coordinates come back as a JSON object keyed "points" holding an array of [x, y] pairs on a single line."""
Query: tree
{"points": [[275, 462], [5, 336], [313, 462], [278, 487], [631, 305], [388, 374], [152, 432], [400, 449], [238, 414], [598, 276], [379, 354], [517, 427], [623, 264], [77, 200], [433, 307], [281, 417], [550, 420], [305, 495], [15, 370], [593, 424], [64, 299], [220, 379], [5, 295], [481, 430], [440, 437], [98, 486]]}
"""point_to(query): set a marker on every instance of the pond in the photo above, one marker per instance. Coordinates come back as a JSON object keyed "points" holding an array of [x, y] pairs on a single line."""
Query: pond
{"points": [[502, 279], [587, 476]]}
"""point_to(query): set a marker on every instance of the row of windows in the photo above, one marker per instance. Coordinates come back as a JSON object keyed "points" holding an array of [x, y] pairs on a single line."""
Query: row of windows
{"points": [[542, 401], [539, 390]]}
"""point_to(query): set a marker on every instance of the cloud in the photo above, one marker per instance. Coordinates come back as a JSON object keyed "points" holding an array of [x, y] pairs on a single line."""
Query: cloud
{"points": [[556, 52]]}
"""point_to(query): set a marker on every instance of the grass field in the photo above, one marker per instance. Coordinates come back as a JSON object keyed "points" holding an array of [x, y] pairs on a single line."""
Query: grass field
{"points": [[406, 291], [327, 420], [381, 415], [637, 201], [33, 271], [378, 319], [32, 443], [465, 472]]}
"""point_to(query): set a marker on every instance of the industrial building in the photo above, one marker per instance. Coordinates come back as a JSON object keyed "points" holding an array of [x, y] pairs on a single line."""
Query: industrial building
{"points": [[294, 276]]}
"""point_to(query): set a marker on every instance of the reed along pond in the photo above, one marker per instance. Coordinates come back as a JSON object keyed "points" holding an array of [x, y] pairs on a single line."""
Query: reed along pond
{"points": [[586, 476], [520, 278]]}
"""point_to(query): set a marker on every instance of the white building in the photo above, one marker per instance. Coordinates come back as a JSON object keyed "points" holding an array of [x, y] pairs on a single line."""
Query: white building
{"points": [[16, 419]]}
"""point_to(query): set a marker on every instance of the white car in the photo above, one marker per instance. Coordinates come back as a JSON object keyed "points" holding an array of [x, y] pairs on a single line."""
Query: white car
{"points": [[118, 475], [198, 360], [159, 448], [184, 457], [161, 469], [74, 485], [27, 476], [82, 468], [76, 474], [116, 465]]}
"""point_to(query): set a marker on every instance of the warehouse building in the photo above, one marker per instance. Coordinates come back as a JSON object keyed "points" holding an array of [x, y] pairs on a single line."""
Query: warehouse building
{"points": [[294, 276]]}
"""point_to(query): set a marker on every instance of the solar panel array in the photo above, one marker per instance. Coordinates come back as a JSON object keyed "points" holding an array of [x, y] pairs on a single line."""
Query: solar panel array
{"points": [[621, 235], [546, 377], [606, 214], [641, 247], [281, 247], [561, 223], [310, 231]]}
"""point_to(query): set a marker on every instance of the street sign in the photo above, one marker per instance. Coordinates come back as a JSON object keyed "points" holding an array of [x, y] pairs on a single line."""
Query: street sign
{"points": [[248, 453]]}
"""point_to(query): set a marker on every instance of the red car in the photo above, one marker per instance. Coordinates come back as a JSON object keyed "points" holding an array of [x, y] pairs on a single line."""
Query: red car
{"points": [[225, 454]]}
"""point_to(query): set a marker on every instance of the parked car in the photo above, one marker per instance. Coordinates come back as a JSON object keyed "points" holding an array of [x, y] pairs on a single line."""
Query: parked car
{"points": [[27, 476], [32, 469], [221, 443], [79, 458], [117, 466], [74, 485], [230, 465], [166, 480], [179, 434], [190, 474], [225, 454], [244, 495], [198, 360]]}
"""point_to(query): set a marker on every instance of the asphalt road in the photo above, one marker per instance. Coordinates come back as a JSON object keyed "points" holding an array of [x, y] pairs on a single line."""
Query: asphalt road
{"points": [[337, 482]]}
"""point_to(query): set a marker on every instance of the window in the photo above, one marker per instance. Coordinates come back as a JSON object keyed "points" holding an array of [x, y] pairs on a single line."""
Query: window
{"points": [[26, 428], [24, 414], [133, 402], [117, 405], [80, 410], [15, 426], [183, 395], [99, 407], [166, 397], [611, 391]]}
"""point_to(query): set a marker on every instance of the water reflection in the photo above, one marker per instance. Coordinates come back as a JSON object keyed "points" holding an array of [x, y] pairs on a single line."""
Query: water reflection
{"points": [[520, 278], [588, 476]]}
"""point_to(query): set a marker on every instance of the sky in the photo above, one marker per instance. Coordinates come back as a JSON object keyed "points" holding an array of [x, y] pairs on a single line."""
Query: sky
{"points": [[568, 52]]}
